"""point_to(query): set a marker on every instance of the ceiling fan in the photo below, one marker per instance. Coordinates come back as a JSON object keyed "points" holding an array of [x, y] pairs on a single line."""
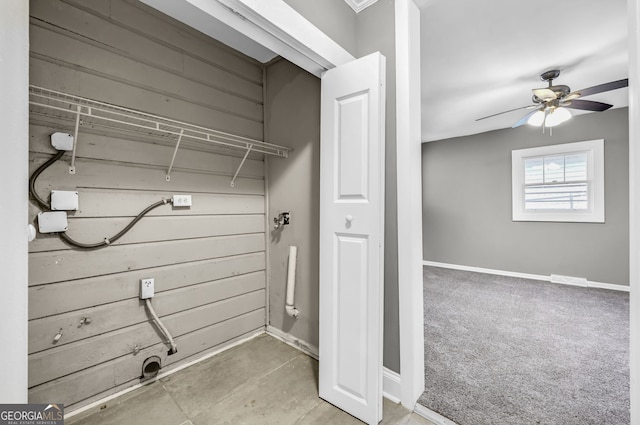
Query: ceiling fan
{"points": [[550, 103]]}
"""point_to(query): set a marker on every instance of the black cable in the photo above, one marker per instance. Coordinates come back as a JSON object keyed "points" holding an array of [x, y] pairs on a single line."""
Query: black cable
{"points": [[107, 241], [32, 180]]}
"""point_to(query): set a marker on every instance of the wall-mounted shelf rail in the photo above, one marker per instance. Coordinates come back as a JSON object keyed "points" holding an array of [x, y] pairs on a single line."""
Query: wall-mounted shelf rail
{"points": [[83, 111]]}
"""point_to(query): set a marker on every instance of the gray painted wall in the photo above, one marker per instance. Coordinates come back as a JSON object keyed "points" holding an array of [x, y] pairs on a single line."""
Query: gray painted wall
{"points": [[334, 17], [208, 261], [292, 105], [374, 31], [467, 205]]}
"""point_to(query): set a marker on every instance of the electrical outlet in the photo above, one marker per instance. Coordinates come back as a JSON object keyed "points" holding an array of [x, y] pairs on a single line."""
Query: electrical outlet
{"points": [[146, 288], [181, 200]]}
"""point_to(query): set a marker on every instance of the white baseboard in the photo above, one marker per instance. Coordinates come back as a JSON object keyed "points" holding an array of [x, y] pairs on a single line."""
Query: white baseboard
{"points": [[434, 417], [567, 281], [391, 388], [297, 343], [611, 286], [488, 271]]}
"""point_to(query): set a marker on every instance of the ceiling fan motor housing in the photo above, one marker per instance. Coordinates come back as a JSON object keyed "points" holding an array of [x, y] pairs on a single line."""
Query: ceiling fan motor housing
{"points": [[552, 93], [550, 75], [561, 90]]}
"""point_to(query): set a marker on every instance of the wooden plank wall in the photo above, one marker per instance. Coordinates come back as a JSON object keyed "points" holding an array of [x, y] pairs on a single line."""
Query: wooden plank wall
{"points": [[208, 261]]}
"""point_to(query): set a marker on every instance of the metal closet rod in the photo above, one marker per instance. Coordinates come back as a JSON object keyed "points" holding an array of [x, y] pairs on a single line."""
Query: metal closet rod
{"points": [[122, 118]]}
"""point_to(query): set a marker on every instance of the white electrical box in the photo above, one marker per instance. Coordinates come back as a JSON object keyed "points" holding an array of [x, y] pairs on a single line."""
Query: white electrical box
{"points": [[146, 288], [181, 200], [64, 200], [52, 222], [62, 141]]}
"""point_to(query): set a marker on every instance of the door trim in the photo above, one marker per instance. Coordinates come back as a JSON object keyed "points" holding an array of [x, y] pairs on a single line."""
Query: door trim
{"points": [[409, 192], [634, 206], [270, 23], [14, 52]]}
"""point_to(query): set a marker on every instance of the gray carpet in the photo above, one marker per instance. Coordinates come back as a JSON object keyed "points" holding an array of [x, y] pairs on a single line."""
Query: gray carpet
{"points": [[509, 351]]}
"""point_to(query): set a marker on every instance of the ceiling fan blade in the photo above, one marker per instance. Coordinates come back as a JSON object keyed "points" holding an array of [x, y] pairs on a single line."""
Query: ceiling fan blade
{"points": [[602, 88], [570, 96], [510, 110], [524, 119], [587, 105], [544, 94]]}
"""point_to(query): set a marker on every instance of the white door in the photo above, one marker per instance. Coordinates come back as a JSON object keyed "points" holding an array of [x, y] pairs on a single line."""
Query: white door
{"points": [[351, 236]]}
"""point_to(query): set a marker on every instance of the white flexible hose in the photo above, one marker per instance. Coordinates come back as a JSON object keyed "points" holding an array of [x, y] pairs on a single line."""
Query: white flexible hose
{"points": [[164, 330], [291, 283]]}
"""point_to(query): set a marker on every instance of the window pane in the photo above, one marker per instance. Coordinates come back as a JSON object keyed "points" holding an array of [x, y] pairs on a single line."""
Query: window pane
{"points": [[575, 167], [572, 196], [557, 182], [533, 171], [554, 169]]}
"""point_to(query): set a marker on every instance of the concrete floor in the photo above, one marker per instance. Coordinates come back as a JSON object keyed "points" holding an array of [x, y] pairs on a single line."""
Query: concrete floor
{"points": [[261, 382]]}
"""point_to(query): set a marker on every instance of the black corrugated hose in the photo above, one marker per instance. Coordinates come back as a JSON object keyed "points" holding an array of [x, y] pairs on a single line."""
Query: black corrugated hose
{"points": [[32, 180], [107, 241]]}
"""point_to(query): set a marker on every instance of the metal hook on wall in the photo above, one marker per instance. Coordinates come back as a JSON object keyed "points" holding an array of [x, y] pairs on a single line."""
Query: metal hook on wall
{"points": [[281, 220]]}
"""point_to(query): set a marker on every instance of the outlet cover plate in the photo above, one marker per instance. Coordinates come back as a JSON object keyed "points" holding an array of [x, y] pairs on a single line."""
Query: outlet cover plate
{"points": [[181, 200], [147, 288]]}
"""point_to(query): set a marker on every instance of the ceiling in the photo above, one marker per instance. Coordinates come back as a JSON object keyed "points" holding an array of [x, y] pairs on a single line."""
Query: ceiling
{"points": [[483, 57], [479, 58]]}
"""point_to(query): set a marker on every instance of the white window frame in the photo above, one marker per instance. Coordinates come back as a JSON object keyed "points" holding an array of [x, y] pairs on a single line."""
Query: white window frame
{"points": [[595, 178]]}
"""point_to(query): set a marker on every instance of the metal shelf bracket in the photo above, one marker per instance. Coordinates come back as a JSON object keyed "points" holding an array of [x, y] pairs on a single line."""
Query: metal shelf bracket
{"points": [[235, 176], [175, 151], [72, 167]]}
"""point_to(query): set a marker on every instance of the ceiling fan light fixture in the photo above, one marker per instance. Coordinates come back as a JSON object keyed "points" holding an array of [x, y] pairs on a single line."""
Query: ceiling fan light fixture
{"points": [[552, 118], [557, 116], [536, 119]]}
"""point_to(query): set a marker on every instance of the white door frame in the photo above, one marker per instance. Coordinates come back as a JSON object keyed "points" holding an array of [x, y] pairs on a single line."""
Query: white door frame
{"points": [[14, 174], [409, 193], [634, 205], [279, 27], [270, 23], [276, 25]]}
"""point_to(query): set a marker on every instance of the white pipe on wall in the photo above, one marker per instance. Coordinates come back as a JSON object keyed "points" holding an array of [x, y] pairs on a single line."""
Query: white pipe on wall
{"points": [[291, 283], [162, 327]]}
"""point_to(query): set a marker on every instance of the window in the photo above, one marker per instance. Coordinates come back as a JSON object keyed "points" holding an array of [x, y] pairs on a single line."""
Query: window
{"points": [[559, 182]]}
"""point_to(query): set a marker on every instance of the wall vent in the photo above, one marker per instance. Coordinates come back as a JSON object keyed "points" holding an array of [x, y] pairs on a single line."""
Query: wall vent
{"points": [[569, 280]]}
